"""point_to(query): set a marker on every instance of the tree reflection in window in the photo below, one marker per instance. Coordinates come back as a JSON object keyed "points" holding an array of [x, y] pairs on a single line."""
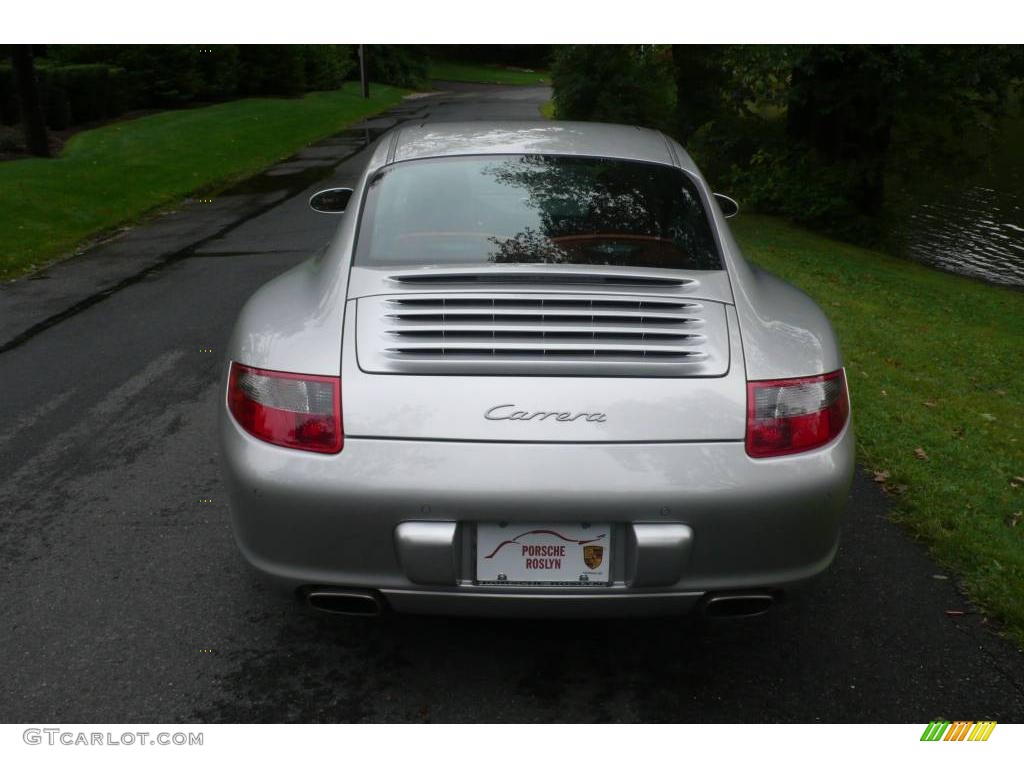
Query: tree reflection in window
{"points": [[536, 209]]}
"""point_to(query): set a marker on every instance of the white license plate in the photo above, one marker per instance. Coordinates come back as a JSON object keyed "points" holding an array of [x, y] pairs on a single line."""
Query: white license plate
{"points": [[543, 553]]}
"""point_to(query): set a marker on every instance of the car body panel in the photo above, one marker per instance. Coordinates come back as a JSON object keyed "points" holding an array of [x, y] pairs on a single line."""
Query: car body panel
{"points": [[529, 137], [294, 322], [785, 333]]}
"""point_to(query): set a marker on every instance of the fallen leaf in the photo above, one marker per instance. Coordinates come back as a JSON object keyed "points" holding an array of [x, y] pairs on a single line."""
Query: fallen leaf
{"points": [[958, 432], [1017, 482], [881, 477], [951, 612], [1000, 391], [895, 489], [940, 577], [919, 452], [1014, 519], [988, 417], [929, 403]]}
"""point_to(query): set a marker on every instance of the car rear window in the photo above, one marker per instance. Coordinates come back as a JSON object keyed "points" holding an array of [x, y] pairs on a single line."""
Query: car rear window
{"points": [[534, 209]]}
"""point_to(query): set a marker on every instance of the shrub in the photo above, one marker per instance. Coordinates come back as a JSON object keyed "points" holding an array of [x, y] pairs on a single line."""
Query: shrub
{"points": [[10, 139], [92, 91], [218, 67], [403, 65], [327, 66], [171, 75], [56, 104], [752, 159], [511, 55], [83, 83], [73, 94], [271, 70], [615, 84]]}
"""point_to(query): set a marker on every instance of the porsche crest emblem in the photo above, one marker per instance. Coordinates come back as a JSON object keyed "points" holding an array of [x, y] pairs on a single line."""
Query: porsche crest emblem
{"points": [[593, 555]]}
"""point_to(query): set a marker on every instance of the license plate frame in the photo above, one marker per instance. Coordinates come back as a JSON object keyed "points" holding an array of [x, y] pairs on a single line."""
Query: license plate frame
{"points": [[543, 554]]}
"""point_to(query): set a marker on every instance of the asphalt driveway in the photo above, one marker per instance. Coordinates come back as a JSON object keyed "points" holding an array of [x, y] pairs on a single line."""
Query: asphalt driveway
{"points": [[124, 598]]}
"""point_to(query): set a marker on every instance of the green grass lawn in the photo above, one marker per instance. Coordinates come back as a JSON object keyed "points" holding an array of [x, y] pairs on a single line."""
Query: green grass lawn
{"points": [[114, 174], [485, 73], [934, 363]]}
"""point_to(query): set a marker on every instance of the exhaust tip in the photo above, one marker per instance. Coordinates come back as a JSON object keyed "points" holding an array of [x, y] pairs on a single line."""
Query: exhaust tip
{"points": [[344, 602], [739, 605]]}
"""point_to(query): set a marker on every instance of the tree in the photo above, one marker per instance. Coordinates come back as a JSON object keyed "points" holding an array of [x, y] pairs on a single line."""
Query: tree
{"points": [[700, 79], [614, 83], [36, 140], [842, 106], [845, 102]]}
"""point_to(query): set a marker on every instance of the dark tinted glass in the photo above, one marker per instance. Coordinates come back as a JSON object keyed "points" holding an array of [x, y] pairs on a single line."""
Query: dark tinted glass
{"points": [[535, 209]]}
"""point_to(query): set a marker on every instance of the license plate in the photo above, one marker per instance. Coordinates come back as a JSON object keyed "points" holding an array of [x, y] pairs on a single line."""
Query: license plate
{"points": [[543, 553]]}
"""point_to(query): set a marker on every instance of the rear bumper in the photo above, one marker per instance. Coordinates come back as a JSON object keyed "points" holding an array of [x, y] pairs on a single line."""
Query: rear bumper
{"points": [[398, 516]]}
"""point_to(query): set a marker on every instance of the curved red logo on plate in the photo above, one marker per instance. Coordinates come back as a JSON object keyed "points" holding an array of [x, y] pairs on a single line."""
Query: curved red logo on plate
{"points": [[581, 542]]}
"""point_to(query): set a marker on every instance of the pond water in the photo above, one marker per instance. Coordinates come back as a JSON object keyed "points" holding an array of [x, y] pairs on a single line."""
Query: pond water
{"points": [[974, 226], [976, 231]]}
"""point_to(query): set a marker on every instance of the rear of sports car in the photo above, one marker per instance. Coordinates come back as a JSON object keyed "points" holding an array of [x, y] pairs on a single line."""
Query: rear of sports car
{"points": [[541, 405]]}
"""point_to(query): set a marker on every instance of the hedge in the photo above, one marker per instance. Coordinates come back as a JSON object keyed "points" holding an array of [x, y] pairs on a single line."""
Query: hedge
{"points": [[82, 83]]}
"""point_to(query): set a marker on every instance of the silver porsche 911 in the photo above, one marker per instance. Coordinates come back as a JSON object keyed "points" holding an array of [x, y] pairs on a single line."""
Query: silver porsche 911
{"points": [[533, 374]]}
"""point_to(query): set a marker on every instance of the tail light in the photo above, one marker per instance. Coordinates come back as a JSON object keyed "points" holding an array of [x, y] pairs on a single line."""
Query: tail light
{"points": [[289, 409], [793, 415]]}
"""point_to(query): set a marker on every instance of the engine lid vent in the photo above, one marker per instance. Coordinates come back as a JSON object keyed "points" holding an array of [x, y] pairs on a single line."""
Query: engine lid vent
{"points": [[542, 334]]}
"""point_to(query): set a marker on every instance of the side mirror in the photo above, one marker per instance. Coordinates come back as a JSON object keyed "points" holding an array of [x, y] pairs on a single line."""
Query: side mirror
{"points": [[727, 205], [333, 200]]}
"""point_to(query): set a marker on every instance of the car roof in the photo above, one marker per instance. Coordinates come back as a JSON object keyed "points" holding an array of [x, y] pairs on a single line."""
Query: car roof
{"points": [[440, 139]]}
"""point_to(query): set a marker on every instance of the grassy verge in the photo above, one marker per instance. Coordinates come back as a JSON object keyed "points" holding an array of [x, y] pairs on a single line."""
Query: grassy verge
{"points": [[485, 73], [934, 363], [112, 175], [547, 110]]}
